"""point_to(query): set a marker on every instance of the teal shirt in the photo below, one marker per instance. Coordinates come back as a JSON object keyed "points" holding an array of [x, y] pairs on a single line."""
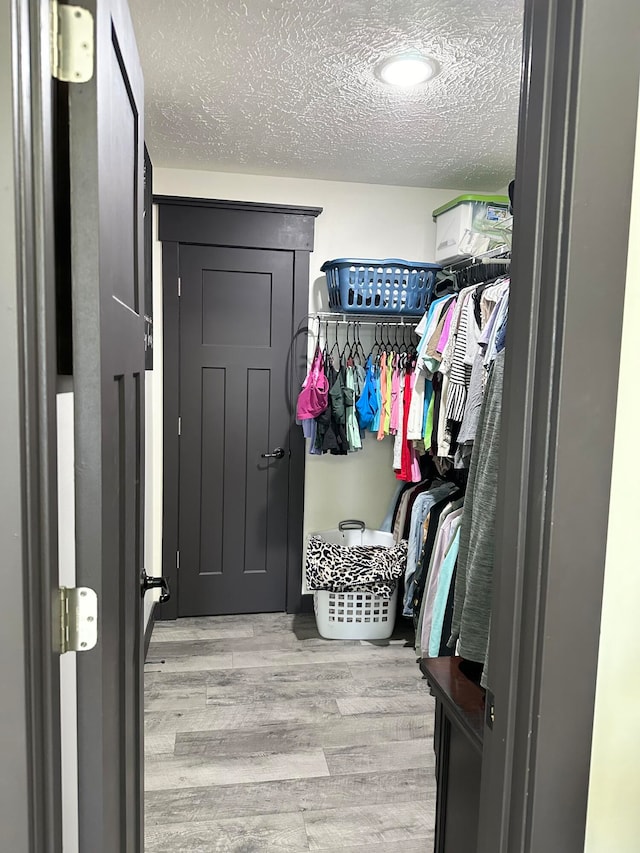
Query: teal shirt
{"points": [[442, 595]]}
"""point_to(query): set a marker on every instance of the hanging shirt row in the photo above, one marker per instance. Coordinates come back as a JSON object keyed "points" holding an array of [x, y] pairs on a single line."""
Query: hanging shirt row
{"points": [[449, 529], [426, 398], [348, 395]]}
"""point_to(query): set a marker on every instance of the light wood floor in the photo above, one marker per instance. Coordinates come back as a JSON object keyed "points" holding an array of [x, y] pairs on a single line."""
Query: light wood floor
{"points": [[261, 736]]}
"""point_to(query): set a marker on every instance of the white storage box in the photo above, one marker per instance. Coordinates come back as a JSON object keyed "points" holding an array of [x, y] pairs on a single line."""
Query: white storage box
{"points": [[470, 225], [355, 615]]}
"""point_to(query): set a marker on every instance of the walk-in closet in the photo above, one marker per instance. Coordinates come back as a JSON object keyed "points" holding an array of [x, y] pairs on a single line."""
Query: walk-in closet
{"points": [[335, 239], [319, 353]]}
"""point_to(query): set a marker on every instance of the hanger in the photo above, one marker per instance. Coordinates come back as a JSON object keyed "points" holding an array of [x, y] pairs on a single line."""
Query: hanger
{"points": [[336, 348], [388, 346], [359, 352], [325, 348], [375, 346], [404, 347], [396, 342], [347, 356], [316, 333]]}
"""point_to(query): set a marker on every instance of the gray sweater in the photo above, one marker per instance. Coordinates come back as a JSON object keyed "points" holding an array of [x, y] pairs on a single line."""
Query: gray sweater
{"points": [[474, 576]]}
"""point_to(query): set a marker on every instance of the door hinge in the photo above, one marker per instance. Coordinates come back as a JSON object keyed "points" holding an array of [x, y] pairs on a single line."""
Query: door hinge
{"points": [[148, 333], [179, 425], [78, 619], [72, 43], [177, 559], [179, 287]]}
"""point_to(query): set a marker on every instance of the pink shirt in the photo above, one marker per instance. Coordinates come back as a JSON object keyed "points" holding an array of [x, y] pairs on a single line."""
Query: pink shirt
{"points": [[446, 329], [383, 394], [395, 397]]}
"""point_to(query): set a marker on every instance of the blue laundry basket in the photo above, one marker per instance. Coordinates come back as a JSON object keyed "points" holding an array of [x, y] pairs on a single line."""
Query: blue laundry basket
{"points": [[388, 286]]}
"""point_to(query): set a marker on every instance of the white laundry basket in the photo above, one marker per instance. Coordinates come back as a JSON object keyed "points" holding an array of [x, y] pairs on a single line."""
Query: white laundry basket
{"points": [[355, 615]]}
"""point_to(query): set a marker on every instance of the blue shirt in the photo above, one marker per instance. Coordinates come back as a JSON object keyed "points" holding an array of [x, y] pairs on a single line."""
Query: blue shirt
{"points": [[419, 513]]}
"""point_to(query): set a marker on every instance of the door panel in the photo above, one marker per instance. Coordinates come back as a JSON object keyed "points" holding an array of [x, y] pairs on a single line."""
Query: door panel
{"points": [[106, 157], [235, 334]]}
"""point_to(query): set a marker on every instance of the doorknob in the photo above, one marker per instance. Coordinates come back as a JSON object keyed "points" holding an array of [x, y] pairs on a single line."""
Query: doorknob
{"points": [[147, 583], [278, 453]]}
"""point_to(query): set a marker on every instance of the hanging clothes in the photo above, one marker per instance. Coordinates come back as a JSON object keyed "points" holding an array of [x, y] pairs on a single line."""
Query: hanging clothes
{"points": [[456, 414], [447, 529], [437, 307], [395, 396], [474, 578], [389, 400], [354, 442], [431, 529], [399, 437], [471, 417], [384, 397], [421, 509], [335, 436], [314, 395], [388, 522], [381, 377], [466, 337], [367, 403], [443, 596], [325, 438], [488, 338], [313, 399], [410, 463], [402, 511], [374, 396], [416, 410]]}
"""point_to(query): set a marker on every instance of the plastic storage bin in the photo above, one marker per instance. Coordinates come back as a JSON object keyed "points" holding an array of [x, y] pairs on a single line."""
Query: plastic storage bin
{"points": [[355, 615], [389, 286], [470, 225]]}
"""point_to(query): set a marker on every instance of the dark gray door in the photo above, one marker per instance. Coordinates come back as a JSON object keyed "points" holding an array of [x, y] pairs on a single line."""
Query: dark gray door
{"points": [[235, 335], [106, 168]]}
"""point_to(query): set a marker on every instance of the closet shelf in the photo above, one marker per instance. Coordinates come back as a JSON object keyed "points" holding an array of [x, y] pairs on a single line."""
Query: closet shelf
{"points": [[365, 319]]}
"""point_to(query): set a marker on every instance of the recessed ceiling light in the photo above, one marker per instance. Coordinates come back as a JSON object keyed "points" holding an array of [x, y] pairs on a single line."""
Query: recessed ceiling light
{"points": [[406, 70]]}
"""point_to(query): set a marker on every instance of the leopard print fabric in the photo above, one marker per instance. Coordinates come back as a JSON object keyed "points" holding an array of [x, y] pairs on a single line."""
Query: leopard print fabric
{"points": [[362, 568]]}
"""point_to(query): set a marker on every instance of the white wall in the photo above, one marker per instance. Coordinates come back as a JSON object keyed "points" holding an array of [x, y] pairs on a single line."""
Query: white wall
{"points": [[67, 577], [153, 437], [613, 817], [152, 526], [359, 220]]}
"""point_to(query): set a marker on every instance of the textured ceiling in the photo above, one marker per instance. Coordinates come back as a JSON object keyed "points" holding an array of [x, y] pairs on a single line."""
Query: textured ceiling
{"points": [[287, 88]]}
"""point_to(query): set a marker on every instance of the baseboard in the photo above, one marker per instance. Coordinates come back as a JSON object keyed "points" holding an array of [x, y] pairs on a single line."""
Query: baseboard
{"points": [[148, 631]]}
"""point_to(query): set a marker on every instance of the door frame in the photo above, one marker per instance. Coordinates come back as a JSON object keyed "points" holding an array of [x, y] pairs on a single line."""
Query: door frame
{"points": [[571, 236], [549, 179], [241, 225], [30, 770]]}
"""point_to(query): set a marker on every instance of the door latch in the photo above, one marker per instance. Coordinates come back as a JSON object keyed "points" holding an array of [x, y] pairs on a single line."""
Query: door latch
{"points": [[278, 453], [78, 619], [490, 709], [148, 582]]}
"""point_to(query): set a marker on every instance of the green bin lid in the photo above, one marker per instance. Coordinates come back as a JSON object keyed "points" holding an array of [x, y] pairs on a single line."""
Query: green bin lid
{"points": [[502, 200]]}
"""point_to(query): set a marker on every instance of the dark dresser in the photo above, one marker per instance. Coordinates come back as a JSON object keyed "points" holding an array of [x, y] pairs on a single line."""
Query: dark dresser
{"points": [[459, 726]]}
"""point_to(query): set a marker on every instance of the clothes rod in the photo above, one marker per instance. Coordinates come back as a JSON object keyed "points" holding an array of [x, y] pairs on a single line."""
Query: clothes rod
{"points": [[385, 320], [491, 257]]}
